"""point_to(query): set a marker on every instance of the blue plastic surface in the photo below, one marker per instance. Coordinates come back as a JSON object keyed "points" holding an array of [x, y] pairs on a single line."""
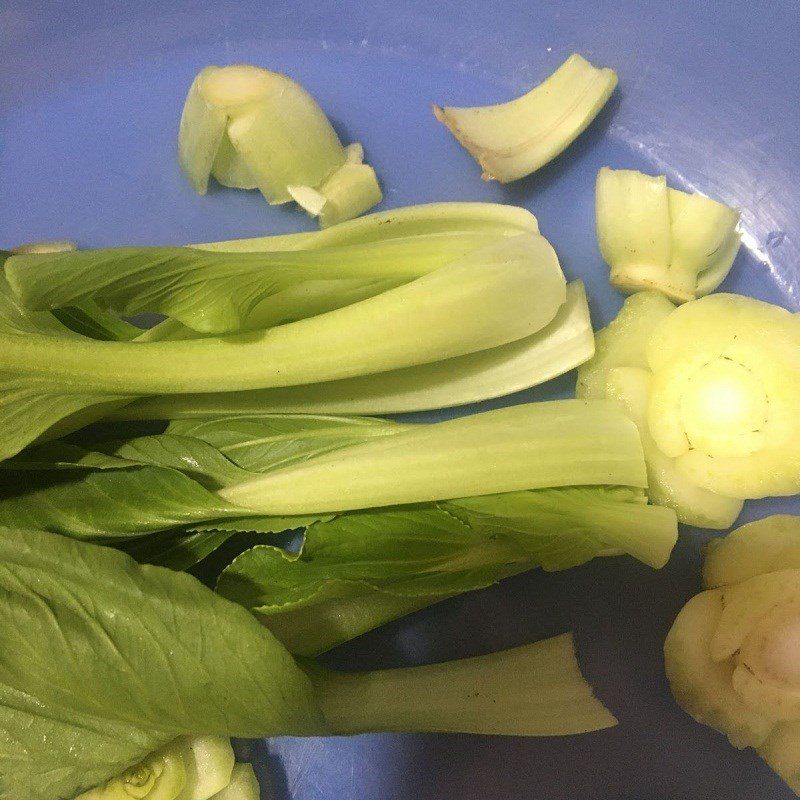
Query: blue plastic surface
{"points": [[90, 94]]}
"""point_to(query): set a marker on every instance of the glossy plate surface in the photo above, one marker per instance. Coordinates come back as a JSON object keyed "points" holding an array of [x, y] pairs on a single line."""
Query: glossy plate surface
{"points": [[90, 94]]}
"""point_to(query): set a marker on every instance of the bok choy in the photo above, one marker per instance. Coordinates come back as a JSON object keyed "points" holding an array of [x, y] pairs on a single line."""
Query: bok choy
{"points": [[55, 380], [255, 129], [356, 570], [620, 370], [653, 237], [130, 659], [296, 467], [732, 655], [512, 140], [565, 343]]}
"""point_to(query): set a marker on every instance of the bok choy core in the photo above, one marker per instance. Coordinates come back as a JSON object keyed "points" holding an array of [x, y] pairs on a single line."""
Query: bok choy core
{"points": [[190, 768], [512, 140], [713, 386], [654, 237], [500, 293], [255, 129], [732, 656], [159, 666]]}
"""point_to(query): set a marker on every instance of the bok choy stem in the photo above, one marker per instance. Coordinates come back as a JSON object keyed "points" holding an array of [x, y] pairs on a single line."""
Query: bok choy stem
{"points": [[534, 690]]}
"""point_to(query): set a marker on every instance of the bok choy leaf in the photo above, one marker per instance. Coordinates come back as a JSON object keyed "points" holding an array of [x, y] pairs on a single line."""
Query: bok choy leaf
{"points": [[363, 569], [496, 295], [563, 344], [129, 660]]}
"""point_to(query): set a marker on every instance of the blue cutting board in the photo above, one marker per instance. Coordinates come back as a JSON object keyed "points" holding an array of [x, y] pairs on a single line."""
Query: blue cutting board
{"points": [[90, 94]]}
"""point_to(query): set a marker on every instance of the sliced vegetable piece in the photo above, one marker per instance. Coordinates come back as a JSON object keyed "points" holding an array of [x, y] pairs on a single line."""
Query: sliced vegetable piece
{"points": [[702, 684], [563, 344], [653, 237], [750, 636], [535, 690], [350, 191], [160, 776], [704, 241], [252, 128], [633, 227], [514, 139], [623, 342], [619, 371], [725, 392], [766, 545]]}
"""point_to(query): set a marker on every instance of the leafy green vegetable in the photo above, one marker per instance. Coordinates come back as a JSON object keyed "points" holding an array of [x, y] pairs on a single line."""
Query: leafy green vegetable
{"points": [[512, 140], [308, 463], [118, 660], [220, 292], [361, 570], [563, 344], [496, 295]]}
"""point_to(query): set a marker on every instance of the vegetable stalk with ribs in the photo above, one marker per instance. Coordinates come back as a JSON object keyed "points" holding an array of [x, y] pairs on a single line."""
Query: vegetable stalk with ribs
{"points": [[511, 140]]}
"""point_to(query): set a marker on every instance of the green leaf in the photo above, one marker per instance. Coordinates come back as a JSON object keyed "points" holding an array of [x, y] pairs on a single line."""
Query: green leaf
{"points": [[178, 550], [218, 292], [407, 553], [496, 295], [129, 488], [107, 503], [364, 569], [117, 660], [194, 457], [270, 441]]}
